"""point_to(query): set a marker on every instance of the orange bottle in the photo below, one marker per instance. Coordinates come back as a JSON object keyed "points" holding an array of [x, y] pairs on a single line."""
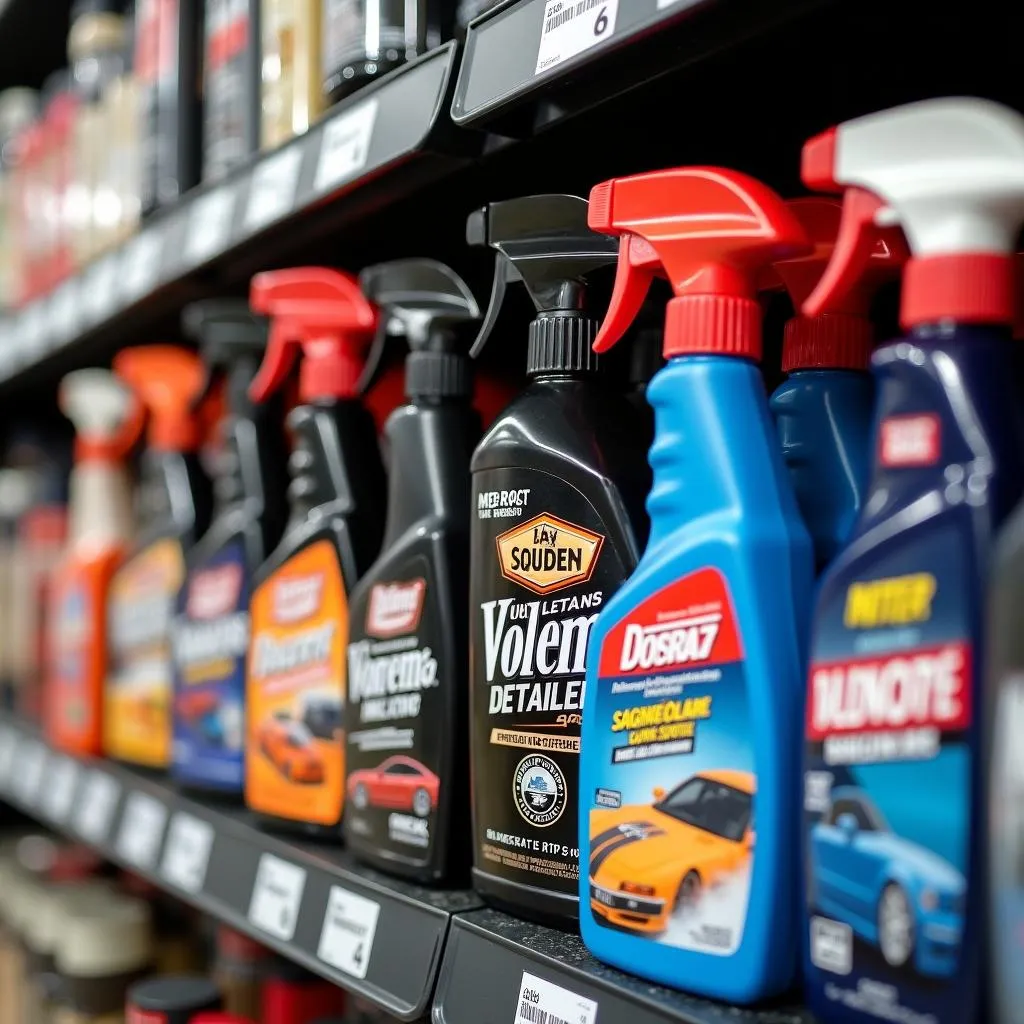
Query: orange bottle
{"points": [[107, 421], [174, 510]]}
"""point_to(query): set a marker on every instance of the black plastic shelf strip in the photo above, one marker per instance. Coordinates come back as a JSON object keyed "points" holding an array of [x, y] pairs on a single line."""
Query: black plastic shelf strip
{"points": [[375, 936], [497, 968], [396, 123]]}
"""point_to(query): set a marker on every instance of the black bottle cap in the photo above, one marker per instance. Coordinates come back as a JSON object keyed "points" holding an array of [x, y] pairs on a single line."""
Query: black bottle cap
{"points": [[175, 998], [423, 301], [562, 342]]}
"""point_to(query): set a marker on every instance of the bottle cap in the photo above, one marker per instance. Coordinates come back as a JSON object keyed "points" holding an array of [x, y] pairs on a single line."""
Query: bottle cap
{"points": [[166, 380], [711, 232], [56, 905], [105, 940], [950, 172], [321, 312], [107, 417], [171, 999]]}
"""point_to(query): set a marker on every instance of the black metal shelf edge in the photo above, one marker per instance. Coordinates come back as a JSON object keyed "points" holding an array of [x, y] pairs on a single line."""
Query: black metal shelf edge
{"points": [[491, 958], [375, 936], [388, 138]]}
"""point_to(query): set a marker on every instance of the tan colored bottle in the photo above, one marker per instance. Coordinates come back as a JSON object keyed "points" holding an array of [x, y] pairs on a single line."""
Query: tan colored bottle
{"points": [[118, 197], [290, 92]]}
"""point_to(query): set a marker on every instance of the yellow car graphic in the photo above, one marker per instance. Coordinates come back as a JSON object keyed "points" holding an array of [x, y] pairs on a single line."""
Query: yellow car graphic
{"points": [[647, 861]]}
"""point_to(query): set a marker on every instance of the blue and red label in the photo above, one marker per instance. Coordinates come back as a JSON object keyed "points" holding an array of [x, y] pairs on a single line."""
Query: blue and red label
{"points": [[671, 820], [888, 778], [210, 642]]}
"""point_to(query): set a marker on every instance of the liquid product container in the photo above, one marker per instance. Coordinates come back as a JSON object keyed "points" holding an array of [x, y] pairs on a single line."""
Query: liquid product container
{"points": [[18, 109], [291, 98]]}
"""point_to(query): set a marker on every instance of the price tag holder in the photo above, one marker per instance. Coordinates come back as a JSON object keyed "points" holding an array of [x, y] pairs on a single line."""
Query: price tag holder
{"points": [[36, 325], [140, 265], [95, 810], [567, 30], [31, 766], [101, 288], [209, 224], [346, 940], [142, 829], [277, 896], [8, 748], [272, 190], [187, 853], [345, 146], [542, 1002], [64, 310], [59, 796]]}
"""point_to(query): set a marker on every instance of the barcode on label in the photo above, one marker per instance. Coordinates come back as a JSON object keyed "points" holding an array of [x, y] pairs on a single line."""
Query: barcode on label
{"points": [[535, 1015], [572, 26], [543, 1002]]}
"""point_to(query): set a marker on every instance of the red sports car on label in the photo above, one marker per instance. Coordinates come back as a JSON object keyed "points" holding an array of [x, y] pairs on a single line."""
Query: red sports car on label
{"points": [[399, 784]]}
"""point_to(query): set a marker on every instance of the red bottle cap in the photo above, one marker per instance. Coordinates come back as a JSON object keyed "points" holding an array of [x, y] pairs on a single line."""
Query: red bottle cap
{"points": [[166, 380], [323, 312], [711, 232]]}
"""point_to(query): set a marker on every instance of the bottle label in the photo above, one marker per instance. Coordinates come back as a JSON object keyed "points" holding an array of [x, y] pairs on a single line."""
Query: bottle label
{"points": [[296, 689], [137, 722], [72, 703], [671, 817], [887, 782], [210, 641], [396, 727], [540, 572]]}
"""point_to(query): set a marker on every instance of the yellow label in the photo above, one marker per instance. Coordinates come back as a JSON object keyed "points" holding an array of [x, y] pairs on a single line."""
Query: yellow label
{"points": [[890, 602], [295, 689], [547, 553], [137, 705]]}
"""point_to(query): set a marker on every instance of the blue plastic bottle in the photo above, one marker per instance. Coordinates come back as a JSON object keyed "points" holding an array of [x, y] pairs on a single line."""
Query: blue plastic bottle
{"points": [[894, 820], [690, 741], [824, 409]]}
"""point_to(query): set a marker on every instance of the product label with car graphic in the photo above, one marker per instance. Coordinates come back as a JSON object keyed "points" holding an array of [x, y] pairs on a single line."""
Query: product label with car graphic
{"points": [[210, 641], [671, 820], [395, 676], [295, 766], [887, 781]]}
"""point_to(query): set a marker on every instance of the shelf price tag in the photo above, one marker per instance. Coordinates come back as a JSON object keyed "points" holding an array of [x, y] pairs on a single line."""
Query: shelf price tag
{"points": [[101, 288], [272, 191], [31, 767], [572, 26], [187, 853], [277, 896], [142, 828], [96, 808], [8, 748], [140, 265], [64, 312], [542, 1002], [59, 795], [350, 924], [345, 145], [35, 324], [209, 224]]}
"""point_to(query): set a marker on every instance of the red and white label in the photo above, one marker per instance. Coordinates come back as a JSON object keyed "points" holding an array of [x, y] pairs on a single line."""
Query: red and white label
{"points": [[685, 625], [214, 592], [395, 608], [907, 441], [297, 597], [911, 690]]}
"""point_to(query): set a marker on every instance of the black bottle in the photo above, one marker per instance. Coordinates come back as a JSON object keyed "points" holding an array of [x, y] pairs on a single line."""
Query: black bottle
{"points": [[299, 613], [558, 522], [406, 711], [210, 639]]}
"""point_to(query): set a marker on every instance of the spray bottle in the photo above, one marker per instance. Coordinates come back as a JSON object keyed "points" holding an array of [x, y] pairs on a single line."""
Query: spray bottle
{"points": [[295, 757], [689, 760], [211, 627], [406, 751], [173, 506], [891, 788], [557, 525], [108, 422], [824, 409]]}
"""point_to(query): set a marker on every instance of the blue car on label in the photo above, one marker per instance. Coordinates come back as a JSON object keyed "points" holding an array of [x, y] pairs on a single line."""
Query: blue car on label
{"points": [[898, 896]]}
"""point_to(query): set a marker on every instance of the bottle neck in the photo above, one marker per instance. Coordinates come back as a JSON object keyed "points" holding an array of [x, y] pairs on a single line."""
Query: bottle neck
{"points": [[562, 343], [99, 504]]}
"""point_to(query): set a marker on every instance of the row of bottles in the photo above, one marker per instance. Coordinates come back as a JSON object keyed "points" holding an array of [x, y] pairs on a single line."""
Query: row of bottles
{"points": [[809, 574]]}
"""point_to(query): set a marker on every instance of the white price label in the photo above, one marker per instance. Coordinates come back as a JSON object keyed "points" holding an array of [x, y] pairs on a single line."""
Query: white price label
{"points": [[36, 324], [272, 190], [31, 767], [209, 224], [96, 807], [350, 924], [542, 1002], [101, 288], [572, 26], [277, 896], [8, 748], [64, 312], [345, 146], [187, 853], [59, 795], [140, 264], [142, 828]]}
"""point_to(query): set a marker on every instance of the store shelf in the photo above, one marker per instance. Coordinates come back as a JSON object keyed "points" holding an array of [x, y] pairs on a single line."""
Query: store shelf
{"points": [[531, 63], [376, 147], [373, 935], [491, 958]]}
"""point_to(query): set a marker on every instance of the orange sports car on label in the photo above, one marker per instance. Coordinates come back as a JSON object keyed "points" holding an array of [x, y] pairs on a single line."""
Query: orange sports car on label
{"points": [[291, 748]]}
